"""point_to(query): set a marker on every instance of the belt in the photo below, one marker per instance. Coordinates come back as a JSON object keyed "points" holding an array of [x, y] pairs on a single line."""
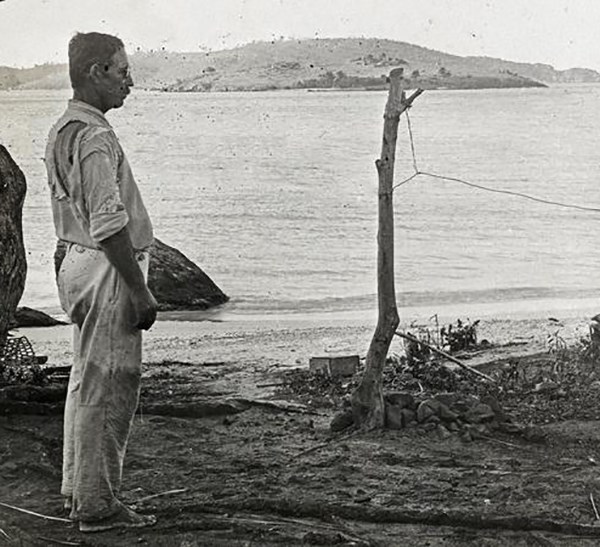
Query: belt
{"points": [[139, 254]]}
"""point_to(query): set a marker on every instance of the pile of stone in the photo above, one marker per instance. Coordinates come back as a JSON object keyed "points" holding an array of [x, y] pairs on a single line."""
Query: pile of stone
{"points": [[467, 416]]}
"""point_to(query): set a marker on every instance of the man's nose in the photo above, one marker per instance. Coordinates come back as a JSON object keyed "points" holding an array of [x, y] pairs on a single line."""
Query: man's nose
{"points": [[129, 80]]}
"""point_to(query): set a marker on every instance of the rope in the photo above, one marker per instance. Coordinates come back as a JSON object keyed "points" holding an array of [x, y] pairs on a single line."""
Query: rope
{"points": [[406, 180], [412, 143], [511, 193], [480, 186]]}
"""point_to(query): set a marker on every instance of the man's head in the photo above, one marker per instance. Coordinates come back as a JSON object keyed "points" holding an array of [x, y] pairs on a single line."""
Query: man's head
{"points": [[99, 70]]}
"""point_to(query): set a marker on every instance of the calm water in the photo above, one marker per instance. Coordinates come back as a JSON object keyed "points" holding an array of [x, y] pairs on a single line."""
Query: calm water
{"points": [[274, 194]]}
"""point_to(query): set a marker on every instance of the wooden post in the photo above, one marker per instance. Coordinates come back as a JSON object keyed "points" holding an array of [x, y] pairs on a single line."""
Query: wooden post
{"points": [[13, 262], [368, 407]]}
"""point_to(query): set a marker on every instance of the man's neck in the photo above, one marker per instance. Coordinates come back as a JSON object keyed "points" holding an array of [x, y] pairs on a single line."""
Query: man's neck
{"points": [[90, 97]]}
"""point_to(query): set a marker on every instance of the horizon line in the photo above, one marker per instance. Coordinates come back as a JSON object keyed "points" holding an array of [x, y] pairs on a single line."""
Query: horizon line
{"points": [[207, 51]]}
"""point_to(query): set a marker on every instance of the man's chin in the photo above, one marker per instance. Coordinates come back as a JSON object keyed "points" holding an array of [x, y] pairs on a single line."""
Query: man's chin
{"points": [[119, 102]]}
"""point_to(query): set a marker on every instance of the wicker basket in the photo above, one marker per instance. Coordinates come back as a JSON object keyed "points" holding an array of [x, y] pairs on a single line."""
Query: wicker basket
{"points": [[17, 351]]}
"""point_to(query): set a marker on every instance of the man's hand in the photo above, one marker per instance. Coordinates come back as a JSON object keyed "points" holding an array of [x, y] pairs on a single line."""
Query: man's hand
{"points": [[144, 308], [121, 255]]}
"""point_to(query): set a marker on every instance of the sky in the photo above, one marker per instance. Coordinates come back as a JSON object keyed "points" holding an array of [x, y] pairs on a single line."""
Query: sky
{"points": [[563, 33]]}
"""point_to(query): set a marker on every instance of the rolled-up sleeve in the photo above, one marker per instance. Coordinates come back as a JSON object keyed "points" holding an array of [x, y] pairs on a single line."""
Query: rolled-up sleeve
{"points": [[107, 214]]}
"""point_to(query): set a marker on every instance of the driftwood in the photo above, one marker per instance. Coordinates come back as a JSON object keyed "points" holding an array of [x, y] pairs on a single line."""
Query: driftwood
{"points": [[13, 262], [368, 405], [34, 514], [446, 356], [337, 438], [161, 494], [50, 399], [593, 502], [430, 516]]}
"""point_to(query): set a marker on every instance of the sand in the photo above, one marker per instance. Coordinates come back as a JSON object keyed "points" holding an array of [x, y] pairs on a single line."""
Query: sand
{"points": [[290, 340], [245, 472]]}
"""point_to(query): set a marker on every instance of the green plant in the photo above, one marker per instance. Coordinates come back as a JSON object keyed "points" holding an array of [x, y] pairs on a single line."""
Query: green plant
{"points": [[459, 336], [453, 337], [555, 343]]}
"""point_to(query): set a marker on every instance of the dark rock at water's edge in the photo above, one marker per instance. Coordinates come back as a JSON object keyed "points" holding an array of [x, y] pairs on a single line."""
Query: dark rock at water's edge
{"points": [[28, 317], [178, 284], [175, 281]]}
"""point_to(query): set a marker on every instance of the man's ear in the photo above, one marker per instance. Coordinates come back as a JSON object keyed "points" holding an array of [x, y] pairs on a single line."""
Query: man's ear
{"points": [[96, 71]]}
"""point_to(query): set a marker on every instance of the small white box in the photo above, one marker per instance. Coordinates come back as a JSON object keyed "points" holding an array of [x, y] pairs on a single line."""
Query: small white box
{"points": [[345, 365]]}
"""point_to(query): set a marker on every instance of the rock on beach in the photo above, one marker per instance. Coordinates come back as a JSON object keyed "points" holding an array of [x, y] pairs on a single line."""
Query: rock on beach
{"points": [[175, 281], [179, 284], [28, 317]]}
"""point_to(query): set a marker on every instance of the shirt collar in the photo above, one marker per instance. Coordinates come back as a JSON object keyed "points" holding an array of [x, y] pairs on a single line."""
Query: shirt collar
{"points": [[85, 108]]}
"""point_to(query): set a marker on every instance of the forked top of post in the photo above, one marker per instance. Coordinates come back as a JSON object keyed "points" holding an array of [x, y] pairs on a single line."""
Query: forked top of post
{"points": [[395, 95]]}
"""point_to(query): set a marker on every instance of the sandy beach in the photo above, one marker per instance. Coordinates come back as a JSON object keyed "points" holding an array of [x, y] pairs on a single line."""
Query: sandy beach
{"points": [[226, 456], [291, 339]]}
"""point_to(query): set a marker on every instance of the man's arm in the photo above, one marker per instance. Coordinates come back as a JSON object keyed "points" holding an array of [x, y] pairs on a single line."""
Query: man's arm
{"points": [[120, 253], [108, 223]]}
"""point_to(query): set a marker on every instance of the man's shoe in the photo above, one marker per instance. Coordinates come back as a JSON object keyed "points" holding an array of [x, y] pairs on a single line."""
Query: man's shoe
{"points": [[69, 510], [124, 518]]}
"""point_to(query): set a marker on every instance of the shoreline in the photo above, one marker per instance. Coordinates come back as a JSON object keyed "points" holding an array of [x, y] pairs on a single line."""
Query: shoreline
{"points": [[289, 340], [526, 308], [518, 307]]}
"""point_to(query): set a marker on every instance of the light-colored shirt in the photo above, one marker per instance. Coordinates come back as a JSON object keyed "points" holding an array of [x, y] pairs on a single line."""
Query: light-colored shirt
{"points": [[93, 191]]}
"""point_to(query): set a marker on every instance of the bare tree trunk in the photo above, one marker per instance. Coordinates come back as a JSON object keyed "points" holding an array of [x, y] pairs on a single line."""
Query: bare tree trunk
{"points": [[368, 407], [13, 262]]}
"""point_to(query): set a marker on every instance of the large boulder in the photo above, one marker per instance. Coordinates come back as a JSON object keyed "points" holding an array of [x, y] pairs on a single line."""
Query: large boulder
{"points": [[175, 281], [28, 317], [13, 263], [179, 284]]}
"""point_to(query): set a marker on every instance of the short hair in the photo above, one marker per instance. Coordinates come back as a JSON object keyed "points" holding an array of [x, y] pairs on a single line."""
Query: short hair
{"points": [[87, 49]]}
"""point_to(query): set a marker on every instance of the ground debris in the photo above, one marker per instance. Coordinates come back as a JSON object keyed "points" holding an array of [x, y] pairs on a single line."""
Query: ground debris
{"points": [[531, 390], [272, 474]]}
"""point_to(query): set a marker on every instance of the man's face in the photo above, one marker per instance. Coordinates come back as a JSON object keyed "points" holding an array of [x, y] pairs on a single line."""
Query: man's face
{"points": [[114, 81]]}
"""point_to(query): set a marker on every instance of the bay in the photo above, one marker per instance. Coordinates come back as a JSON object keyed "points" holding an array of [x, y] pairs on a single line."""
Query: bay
{"points": [[274, 194]]}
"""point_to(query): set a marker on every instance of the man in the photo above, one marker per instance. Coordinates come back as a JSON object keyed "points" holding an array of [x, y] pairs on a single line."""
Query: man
{"points": [[98, 211]]}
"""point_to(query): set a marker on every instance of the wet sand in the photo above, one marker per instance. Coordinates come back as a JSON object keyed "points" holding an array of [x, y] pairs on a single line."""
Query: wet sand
{"points": [[290, 340]]}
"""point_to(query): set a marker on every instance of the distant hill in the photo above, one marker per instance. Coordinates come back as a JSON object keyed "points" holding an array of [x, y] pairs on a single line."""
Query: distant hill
{"points": [[344, 63], [48, 76]]}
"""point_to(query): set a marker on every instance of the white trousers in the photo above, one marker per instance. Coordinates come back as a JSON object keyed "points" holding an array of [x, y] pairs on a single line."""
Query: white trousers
{"points": [[104, 384]]}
